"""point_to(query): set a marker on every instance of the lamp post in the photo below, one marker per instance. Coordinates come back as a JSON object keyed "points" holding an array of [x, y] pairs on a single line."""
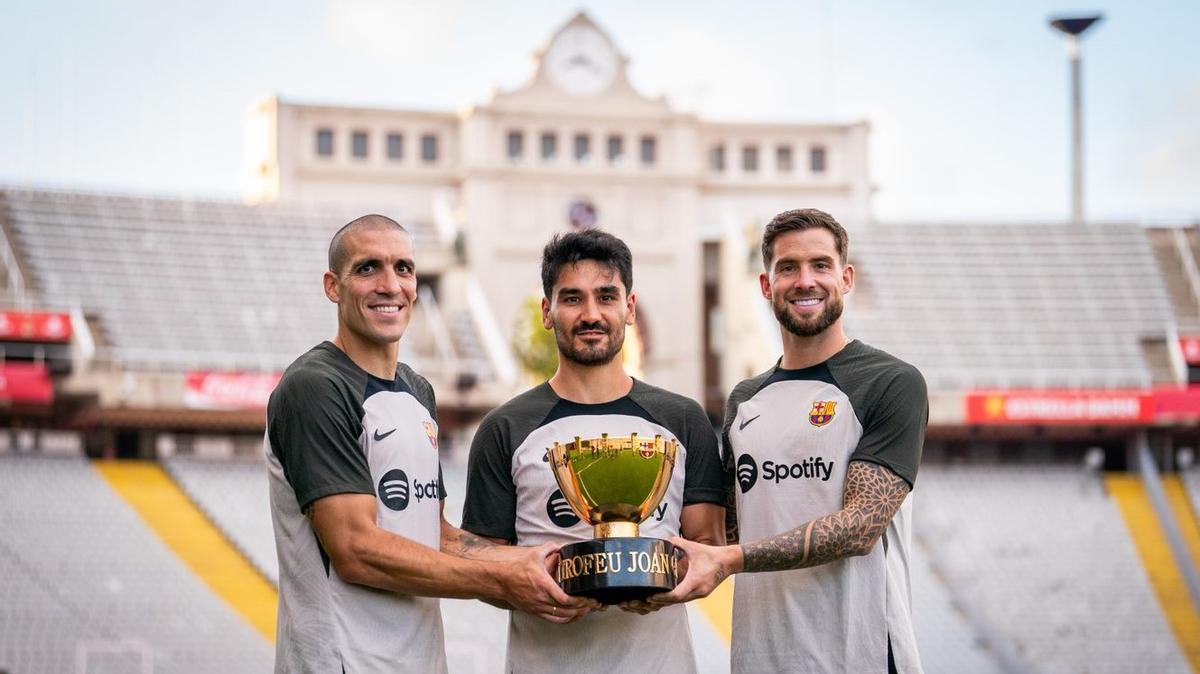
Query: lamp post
{"points": [[1073, 27]]}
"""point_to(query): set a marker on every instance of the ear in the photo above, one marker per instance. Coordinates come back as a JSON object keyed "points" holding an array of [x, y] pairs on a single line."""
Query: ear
{"points": [[546, 322], [331, 287], [764, 284], [848, 278], [631, 309]]}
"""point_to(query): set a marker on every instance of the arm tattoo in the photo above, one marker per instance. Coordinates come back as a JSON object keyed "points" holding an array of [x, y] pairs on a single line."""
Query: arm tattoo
{"points": [[467, 545], [731, 519], [872, 494]]}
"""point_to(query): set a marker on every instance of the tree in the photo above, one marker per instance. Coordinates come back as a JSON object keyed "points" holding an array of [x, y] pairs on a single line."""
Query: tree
{"points": [[534, 345]]}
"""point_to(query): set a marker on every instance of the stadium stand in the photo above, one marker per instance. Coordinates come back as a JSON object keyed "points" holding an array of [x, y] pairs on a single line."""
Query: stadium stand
{"points": [[1041, 551], [1017, 306], [1191, 483], [87, 588], [947, 641], [233, 494], [225, 278]]}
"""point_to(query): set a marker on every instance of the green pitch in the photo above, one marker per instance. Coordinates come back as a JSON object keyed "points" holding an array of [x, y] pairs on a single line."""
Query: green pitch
{"points": [[609, 479]]}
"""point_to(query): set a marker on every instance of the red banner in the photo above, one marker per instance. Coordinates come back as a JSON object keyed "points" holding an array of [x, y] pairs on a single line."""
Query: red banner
{"points": [[229, 390], [1060, 407], [35, 326], [1190, 346], [25, 383], [1177, 404]]}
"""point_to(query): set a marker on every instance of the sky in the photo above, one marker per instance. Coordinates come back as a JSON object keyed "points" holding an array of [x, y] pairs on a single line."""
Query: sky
{"points": [[968, 101]]}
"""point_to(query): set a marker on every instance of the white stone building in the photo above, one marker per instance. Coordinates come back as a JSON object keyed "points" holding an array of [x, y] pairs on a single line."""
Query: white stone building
{"points": [[578, 139]]}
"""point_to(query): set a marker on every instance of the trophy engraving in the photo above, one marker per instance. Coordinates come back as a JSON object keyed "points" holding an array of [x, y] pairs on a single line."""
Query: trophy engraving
{"points": [[614, 483]]}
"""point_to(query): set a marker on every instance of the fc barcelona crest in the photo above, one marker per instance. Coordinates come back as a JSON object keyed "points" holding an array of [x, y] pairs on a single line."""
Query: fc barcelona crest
{"points": [[431, 431], [822, 412]]}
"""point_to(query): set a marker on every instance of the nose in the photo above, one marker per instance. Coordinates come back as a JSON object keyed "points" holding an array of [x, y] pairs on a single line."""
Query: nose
{"points": [[804, 278], [590, 311], [389, 283]]}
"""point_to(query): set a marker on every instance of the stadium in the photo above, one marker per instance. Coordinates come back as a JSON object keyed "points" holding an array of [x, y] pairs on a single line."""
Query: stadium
{"points": [[1056, 524]]}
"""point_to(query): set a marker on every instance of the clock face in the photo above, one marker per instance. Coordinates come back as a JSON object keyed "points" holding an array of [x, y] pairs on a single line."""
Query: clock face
{"points": [[581, 62]]}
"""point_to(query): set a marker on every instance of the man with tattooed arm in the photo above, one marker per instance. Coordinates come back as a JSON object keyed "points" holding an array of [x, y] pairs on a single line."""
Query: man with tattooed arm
{"points": [[820, 451]]}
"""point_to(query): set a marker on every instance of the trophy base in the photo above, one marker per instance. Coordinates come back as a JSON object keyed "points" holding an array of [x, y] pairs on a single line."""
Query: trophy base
{"points": [[613, 570]]}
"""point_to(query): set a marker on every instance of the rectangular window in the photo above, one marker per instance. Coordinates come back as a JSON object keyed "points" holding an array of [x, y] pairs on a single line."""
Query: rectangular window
{"points": [[583, 146], [616, 149], [516, 144], [358, 144], [783, 158], [324, 142], [716, 158], [649, 150], [750, 158], [395, 146], [429, 148], [816, 159], [549, 145]]}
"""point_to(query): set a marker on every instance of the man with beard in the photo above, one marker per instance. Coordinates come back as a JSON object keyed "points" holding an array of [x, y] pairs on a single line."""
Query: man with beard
{"points": [[822, 449], [512, 496]]}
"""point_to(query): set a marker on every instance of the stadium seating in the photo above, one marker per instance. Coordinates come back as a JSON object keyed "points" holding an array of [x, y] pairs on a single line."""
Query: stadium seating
{"points": [[233, 494], [86, 587], [1041, 552], [182, 284], [977, 306], [1191, 484]]}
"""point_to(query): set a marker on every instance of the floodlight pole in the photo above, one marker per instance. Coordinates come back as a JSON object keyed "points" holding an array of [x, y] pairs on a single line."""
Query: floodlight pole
{"points": [[1073, 28]]}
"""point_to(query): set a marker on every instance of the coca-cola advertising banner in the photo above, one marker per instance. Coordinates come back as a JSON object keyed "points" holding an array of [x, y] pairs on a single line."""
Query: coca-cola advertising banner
{"points": [[229, 390], [35, 326], [25, 383]]}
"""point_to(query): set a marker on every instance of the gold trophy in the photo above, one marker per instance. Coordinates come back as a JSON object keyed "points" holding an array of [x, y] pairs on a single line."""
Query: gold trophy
{"points": [[615, 483]]}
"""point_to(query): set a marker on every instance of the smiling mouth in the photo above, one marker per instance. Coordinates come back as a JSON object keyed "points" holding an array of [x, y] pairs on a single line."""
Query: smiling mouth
{"points": [[806, 302], [385, 309]]}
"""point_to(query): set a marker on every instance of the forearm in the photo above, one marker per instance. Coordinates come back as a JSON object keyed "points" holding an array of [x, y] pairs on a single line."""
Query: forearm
{"points": [[873, 494], [389, 562], [467, 545], [823, 540]]}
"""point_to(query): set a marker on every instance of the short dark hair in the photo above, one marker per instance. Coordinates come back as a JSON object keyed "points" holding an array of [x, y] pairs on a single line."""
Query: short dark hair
{"points": [[371, 221], [589, 244], [798, 220]]}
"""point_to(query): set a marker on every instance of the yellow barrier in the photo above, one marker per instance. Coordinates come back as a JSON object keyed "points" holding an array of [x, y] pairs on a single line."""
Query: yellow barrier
{"points": [[168, 512], [1165, 577]]}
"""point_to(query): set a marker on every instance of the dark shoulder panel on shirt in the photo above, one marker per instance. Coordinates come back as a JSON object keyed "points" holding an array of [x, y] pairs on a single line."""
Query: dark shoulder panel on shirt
{"points": [[891, 402], [744, 391], [490, 508], [671, 410], [420, 387], [702, 479], [314, 420]]}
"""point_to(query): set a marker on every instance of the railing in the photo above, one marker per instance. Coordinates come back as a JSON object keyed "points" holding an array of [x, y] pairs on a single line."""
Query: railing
{"points": [[1190, 270]]}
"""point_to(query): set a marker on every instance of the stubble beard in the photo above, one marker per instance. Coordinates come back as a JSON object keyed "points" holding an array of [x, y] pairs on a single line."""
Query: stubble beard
{"points": [[813, 327], [588, 356]]}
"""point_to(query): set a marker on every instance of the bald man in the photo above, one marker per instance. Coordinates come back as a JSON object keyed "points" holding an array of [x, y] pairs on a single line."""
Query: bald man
{"points": [[356, 488]]}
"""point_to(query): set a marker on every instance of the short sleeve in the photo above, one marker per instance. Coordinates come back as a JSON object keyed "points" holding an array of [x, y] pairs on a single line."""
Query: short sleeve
{"points": [[314, 425], [894, 425], [702, 480], [490, 507]]}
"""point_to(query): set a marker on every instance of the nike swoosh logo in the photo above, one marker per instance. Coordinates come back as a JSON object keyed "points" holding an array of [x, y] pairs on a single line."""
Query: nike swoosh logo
{"points": [[747, 422], [379, 436]]}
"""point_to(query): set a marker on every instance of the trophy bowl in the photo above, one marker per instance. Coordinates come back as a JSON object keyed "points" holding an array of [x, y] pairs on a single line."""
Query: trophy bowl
{"points": [[614, 483]]}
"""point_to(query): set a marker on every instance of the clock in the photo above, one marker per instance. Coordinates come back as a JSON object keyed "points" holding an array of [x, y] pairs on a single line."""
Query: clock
{"points": [[581, 61]]}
